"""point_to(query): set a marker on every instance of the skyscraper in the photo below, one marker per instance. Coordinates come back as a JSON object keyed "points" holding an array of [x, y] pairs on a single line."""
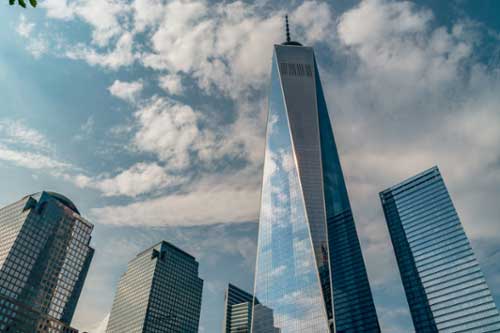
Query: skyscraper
{"points": [[444, 286], [159, 292], [237, 310], [44, 259], [310, 271]]}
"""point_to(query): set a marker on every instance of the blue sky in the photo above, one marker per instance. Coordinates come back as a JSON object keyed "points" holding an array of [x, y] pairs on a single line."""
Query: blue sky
{"points": [[149, 115]]}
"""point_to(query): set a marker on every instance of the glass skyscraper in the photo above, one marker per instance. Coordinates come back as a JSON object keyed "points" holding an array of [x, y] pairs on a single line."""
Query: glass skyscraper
{"points": [[444, 286], [44, 260], [237, 310], [159, 292], [310, 271]]}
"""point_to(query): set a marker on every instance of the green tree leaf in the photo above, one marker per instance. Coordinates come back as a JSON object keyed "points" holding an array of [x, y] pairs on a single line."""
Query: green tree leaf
{"points": [[22, 3], [11, 2], [33, 3]]}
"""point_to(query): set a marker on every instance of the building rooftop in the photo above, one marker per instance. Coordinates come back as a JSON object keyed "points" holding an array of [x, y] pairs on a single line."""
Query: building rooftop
{"points": [[169, 245], [59, 197]]}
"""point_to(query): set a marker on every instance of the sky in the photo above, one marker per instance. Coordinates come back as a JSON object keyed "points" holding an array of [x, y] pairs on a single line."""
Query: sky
{"points": [[150, 116]]}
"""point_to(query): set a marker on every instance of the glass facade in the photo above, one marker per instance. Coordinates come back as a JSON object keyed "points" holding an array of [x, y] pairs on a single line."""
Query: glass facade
{"points": [[444, 286], [44, 260], [302, 189], [237, 310], [160, 292]]}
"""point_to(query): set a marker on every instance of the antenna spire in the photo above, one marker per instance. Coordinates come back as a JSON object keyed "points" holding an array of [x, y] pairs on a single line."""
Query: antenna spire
{"points": [[287, 29], [288, 39]]}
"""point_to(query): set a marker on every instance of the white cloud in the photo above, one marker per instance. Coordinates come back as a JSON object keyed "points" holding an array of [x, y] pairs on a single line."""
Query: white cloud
{"points": [[397, 46], [218, 45], [120, 55], [37, 44], [31, 160], [128, 91], [15, 131], [139, 179], [202, 205], [59, 9], [26, 147], [24, 28], [103, 16], [171, 83], [147, 13], [168, 129], [221, 46], [374, 21]]}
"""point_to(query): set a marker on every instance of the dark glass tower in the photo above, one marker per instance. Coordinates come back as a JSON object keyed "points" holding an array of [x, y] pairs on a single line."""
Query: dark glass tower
{"points": [[310, 271], [444, 286], [237, 310], [160, 292], [44, 260]]}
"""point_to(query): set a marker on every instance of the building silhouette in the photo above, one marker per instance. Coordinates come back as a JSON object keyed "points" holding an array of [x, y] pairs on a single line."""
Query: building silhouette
{"points": [[444, 285], [159, 292], [310, 270], [44, 260]]}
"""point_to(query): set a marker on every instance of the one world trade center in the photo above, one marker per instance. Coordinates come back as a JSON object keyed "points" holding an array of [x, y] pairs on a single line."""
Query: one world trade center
{"points": [[310, 273]]}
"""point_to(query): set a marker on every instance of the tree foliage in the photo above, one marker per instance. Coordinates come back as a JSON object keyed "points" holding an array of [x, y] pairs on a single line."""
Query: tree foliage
{"points": [[22, 3]]}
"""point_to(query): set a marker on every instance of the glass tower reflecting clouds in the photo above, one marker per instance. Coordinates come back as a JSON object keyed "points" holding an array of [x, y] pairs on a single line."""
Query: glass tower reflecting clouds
{"points": [[444, 286], [44, 259], [302, 190], [160, 292]]}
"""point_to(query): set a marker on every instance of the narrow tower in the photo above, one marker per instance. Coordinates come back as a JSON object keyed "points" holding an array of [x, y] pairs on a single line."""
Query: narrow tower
{"points": [[310, 271]]}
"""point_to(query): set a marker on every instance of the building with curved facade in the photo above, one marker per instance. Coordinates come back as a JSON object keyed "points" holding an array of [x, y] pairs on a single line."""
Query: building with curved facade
{"points": [[44, 260]]}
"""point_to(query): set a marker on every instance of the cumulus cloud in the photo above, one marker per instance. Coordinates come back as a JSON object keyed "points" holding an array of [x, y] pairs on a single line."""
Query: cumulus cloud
{"points": [[103, 16], [220, 46], [139, 179], [171, 83], [120, 55], [169, 129], [59, 9], [128, 91]]}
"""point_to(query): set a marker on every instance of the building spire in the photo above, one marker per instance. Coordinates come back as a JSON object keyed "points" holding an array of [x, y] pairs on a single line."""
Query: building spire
{"points": [[287, 31]]}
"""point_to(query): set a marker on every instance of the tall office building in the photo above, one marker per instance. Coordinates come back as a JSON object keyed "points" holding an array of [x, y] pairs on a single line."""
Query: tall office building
{"points": [[310, 271], [159, 292], [44, 259], [444, 286], [237, 310]]}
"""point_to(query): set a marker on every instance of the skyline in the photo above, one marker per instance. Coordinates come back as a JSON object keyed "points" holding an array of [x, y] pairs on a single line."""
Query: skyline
{"points": [[61, 106]]}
